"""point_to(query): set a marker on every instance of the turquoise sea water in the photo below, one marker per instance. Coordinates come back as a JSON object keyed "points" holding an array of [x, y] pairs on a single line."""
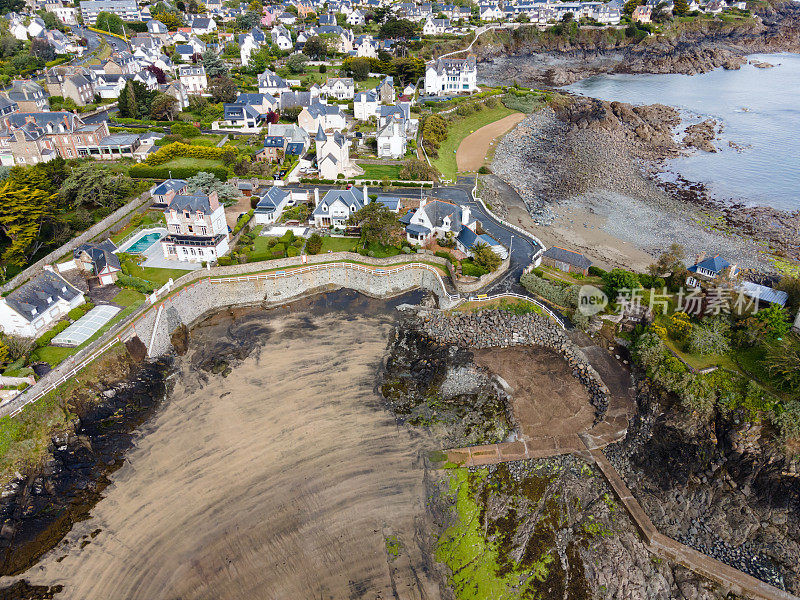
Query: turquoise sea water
{"points": [[760, 111]]}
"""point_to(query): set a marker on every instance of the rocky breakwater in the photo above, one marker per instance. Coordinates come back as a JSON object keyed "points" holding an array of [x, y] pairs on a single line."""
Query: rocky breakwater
{"points": [[501, 329]]}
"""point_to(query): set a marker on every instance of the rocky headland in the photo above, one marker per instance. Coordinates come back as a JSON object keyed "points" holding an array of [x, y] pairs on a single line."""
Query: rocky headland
{"points": [[533, 58], [602, 158]]}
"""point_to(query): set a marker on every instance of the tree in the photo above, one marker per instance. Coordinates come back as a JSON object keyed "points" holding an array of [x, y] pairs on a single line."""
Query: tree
{"points": [[484, 256], [223, 89], [43, 50], [619, 279], [790, 285], [417, 170], [170, 19], [408, 70], [89, 185], [783, 361], [710, 337], [213, 64], [775, 320], [297, 63], [568, 17], [397, 28], [316, 48], [26, 205], [680, 8], [128, 107], [7, 6], [164, 107], [630, 6], [52, 21], [247, 21], [314, 244], [205, 183], [9, 45], [161, 77], [378, 224], [360, 68]]}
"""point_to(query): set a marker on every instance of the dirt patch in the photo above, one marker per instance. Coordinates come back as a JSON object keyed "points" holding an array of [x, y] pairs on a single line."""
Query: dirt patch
{"points": [[233, 211], [546, 399], [472, 151]]}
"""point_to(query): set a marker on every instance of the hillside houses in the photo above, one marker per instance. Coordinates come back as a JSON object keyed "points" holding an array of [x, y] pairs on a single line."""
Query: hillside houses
{"points": [[449, 76]]}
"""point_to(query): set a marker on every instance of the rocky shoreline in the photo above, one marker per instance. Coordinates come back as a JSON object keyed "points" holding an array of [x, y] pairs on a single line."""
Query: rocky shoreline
{"points": [[723, 487], [39, 508], [535, 59], [604, 158]]}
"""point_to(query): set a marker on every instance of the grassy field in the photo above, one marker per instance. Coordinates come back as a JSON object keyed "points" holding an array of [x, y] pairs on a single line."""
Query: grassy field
{"points": [[192, 162], [461, 128], [371, 171], [337, 244]]}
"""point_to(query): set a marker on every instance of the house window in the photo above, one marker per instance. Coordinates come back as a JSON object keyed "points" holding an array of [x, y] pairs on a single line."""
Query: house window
{"points": [[171, 250], [176, 228], [203, 230]]}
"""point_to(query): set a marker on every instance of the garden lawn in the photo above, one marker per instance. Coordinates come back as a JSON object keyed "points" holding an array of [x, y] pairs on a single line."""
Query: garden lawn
{"points": [[337, 244], [260, 249], [380, 172], [197, 163], [458, 130], [151, 217]]}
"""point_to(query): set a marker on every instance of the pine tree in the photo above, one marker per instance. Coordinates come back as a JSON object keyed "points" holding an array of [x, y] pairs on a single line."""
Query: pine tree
{"points": [[24, 209], [213, 64], [680, 8], [128, 106]]}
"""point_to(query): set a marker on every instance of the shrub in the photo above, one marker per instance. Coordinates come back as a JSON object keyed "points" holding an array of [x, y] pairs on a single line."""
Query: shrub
{"points": [[562, 296], [445, 255], [787, 421], [77, 312], [179, 150], [224, 261], [47, 337], [314, 244], [292, 251], [484, 170], [596, 271], [185, 129], [135, 283], [143, 171], [470, 269], [710, 337], [679, 326]]}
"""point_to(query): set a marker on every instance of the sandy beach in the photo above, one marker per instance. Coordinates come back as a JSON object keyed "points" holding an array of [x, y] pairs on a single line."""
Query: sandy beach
{"points": [[285, 479]]}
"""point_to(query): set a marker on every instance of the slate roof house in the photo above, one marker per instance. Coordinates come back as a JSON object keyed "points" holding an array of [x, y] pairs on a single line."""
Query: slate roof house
{"points": [[566, 260], [337, 205], [35, 306], [271, 206], [709, 269], [437, 218], [197, 228], [297, 139], [159, 191], [98, 260]]}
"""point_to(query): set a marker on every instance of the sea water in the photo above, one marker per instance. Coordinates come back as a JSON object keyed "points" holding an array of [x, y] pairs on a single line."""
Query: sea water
{"points": [[758, 162]]}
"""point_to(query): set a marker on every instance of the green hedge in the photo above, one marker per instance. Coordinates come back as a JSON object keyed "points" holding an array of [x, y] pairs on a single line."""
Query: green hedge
{"points": [[148, 172], [244, 220], [135, 283], [46, 338], [78, 312]]}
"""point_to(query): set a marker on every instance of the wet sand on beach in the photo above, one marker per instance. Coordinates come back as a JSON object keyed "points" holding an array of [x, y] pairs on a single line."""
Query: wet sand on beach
{"points": [[285, 479]]}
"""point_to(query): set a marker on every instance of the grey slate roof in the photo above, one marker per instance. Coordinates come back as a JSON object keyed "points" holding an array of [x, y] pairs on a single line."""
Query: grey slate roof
{"points": [[168, 186], [33, 298], [101, 254], [568, 256], [191, 203], [715, 264]]}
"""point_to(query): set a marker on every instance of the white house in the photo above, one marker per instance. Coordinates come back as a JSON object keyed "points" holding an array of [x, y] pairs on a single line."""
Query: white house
{"points": [[38, 304], [337, 205], [356, 18], [193, 78], [435, 26], [392, 140], [273, 203], [341, 88], [329, 117], [270, 83], [281, 38], [333, 154], [66, 14], [203, 25], [365, 105], [447, 76], [197, 228], [437, 218]]}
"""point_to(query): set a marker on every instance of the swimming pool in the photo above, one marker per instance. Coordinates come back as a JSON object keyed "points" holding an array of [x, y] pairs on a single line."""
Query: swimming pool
{"points": [[143, 243]]}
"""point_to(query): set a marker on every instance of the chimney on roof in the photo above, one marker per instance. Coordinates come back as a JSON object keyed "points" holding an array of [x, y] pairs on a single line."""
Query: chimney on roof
{"points": [[30, 119], [700, 257], [423, 202], [66, 121], [316, 197], [466, 213], [213, 201], [366, 197]]}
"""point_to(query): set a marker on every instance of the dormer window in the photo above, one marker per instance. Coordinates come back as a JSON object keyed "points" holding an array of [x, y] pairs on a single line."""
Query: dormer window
{"points": [[33, 311], [325, 207], [186, 214], [352, 208]]}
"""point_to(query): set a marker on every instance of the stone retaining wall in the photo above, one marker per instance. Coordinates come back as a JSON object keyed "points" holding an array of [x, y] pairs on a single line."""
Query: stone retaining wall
{"points": [[201, 297], [501, 329]]}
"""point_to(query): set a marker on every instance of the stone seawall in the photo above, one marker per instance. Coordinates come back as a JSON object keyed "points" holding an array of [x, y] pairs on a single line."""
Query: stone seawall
{"points": [[197, 299], [501, 329]]}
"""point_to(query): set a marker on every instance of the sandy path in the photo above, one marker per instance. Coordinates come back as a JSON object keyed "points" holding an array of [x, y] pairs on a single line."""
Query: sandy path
{"points": [[282, 480], [473, 148], [548, 401]]}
